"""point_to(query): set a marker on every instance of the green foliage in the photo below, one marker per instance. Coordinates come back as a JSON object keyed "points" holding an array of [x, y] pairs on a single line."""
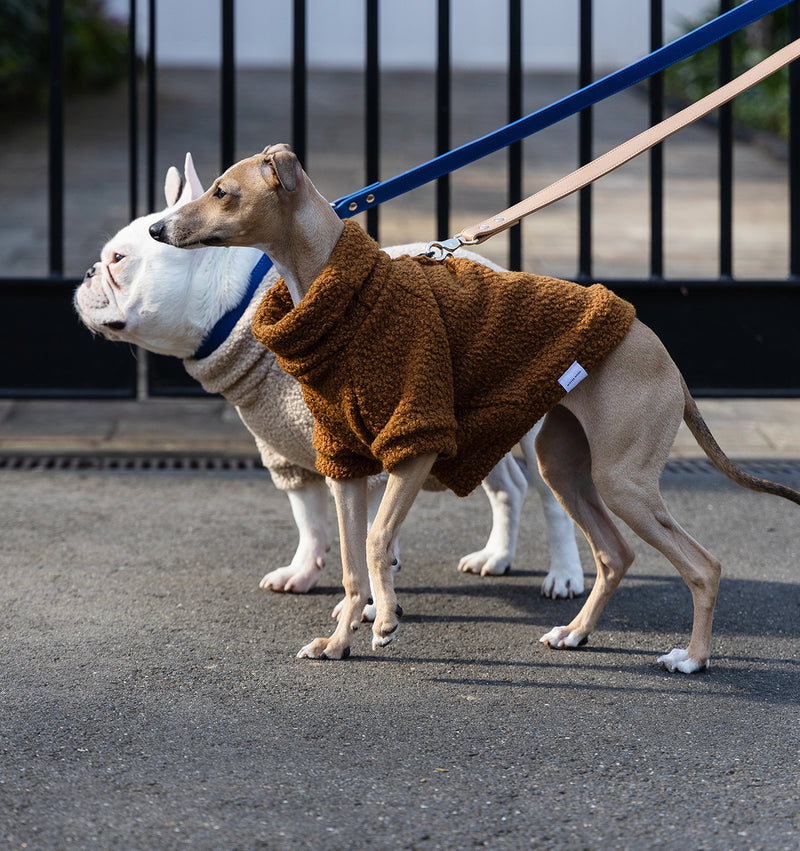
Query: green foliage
{"points": [[95, 51], [764, 107]]}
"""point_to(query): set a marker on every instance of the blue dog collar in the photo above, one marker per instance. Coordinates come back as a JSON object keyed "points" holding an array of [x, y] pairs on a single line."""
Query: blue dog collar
{"points": [[224, 325]]}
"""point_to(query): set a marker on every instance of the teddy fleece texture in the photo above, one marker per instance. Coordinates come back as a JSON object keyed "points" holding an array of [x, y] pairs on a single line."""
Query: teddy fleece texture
{"points": [[269, 402], [404, 357]]}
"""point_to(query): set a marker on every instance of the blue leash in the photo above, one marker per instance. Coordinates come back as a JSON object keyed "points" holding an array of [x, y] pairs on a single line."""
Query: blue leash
{"points": [[377, 193], [681, 48]]}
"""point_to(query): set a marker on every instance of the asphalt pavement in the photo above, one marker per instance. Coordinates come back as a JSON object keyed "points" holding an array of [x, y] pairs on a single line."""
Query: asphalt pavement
{"points": [[152, 699]]}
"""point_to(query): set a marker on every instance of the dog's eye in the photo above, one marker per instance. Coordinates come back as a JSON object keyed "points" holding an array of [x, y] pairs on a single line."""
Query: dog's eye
{"points": [[219, 192], [117, 257]]}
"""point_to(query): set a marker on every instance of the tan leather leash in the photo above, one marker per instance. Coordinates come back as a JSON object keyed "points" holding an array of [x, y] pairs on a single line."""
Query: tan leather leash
{"points": [[618, 156]]}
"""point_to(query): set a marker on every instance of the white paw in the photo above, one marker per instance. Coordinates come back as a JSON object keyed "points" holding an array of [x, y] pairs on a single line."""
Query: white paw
{"points": [[382, 640], [561, 638], [679, 660], [367, 615], [486, 562], [563, 584], [298, 581]]}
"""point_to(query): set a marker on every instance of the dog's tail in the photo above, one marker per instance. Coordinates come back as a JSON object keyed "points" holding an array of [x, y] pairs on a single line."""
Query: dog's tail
{"points": [[697, 425]]}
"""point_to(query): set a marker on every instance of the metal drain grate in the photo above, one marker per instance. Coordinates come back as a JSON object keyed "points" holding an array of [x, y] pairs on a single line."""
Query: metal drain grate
{"points": [[765, 469], [768, 469], [133, 463]]}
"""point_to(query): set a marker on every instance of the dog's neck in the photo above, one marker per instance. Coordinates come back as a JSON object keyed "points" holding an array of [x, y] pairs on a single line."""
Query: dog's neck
{"points": [[304, 246]]}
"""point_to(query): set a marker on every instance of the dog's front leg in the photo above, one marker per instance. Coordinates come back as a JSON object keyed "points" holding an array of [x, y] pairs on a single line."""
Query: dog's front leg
{"points": [[351, 510], [309, 507], [402, 488]]}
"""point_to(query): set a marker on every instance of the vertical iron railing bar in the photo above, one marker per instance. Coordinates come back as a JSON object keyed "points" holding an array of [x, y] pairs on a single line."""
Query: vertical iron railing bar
{"points": [[152, 109], [656, 98], [133, 115], [299, 82], [515, 83], [585, 143], [725, 130], [228, 87], [443, 114], [794, 148], [56, 139], [372, 116]]}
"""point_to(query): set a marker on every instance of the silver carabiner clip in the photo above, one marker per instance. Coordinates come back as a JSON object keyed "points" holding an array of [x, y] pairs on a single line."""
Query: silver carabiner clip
{"points": [[445, 248]]}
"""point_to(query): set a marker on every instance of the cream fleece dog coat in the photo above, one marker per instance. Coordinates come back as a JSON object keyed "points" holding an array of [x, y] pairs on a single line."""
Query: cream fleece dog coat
{"points": [[404, 357], [267, 399]]}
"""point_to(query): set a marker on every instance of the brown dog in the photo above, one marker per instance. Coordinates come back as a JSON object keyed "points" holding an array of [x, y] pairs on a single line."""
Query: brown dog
{"points": [[604, 444]]}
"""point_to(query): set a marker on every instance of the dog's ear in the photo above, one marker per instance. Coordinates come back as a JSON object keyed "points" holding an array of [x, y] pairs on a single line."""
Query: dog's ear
{"points": [[192, 188], [273, 149], [172, 186], [284, 166]]}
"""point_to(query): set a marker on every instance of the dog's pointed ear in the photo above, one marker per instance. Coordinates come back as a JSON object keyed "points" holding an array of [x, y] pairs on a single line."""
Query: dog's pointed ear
{"points": [[172, 186], [192, 187], [283, 165]]}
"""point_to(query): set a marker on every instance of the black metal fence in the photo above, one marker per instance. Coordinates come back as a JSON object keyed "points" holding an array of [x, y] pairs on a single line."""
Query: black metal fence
{"points": [[730, 336]]}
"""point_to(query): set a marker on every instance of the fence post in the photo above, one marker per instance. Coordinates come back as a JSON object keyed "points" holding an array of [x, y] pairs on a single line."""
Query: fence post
{"points": [[515, 176], [443, 106], [585, 143], [56, 139]]}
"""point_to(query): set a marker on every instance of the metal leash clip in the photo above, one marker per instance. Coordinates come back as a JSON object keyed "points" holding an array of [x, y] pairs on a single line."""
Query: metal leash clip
{"points": [[445, 248]]}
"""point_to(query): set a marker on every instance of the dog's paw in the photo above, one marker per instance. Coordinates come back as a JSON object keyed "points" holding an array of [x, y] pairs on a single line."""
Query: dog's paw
{"points": [[367, 615], [486, 562], [678, 660], [561, 585], [324, 648], [293, 580], [384, 628], [562, 637]]}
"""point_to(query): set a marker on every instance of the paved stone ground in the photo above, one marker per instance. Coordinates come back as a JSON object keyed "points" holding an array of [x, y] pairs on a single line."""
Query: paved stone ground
{"points": [[748, 429]]}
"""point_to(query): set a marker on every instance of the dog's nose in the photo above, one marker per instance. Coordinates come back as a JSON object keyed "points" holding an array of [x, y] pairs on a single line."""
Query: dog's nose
{"points": [[157, 230], [89, 272]]}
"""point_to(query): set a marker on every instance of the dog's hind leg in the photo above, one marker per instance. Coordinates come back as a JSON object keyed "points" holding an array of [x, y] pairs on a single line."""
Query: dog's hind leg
{"points": [[629, 411], [565, 464], [644, 511], [565, 577]]}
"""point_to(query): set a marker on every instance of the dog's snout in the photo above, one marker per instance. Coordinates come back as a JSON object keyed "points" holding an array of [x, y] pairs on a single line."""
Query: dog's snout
{"points": [[157, 230]]}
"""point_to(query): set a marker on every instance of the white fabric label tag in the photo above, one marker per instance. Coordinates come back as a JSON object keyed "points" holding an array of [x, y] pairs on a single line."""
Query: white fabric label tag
{"points": [[573, 376]]}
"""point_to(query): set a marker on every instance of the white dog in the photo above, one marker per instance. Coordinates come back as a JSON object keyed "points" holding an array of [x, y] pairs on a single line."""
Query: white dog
{"points": [[174, 302]]}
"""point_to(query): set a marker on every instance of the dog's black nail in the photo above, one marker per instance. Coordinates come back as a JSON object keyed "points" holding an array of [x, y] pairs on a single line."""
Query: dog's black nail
{"points": [[399, 611], [370, 601], [389, 632], [507, 570], [346, 653]]}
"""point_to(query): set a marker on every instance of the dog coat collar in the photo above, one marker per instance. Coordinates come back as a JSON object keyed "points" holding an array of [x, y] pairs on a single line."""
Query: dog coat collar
{"points": [[224, 325]]}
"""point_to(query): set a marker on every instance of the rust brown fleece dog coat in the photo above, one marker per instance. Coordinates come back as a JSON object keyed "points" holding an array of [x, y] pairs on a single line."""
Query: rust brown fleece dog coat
{"points": [[404, 357]]}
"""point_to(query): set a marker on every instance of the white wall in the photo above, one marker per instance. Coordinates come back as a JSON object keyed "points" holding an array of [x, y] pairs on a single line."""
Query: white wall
{"points": [[188, 33]]}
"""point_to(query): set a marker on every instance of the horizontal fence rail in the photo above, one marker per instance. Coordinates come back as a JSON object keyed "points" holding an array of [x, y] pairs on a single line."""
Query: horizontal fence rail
{"points": [[730, 336]]}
